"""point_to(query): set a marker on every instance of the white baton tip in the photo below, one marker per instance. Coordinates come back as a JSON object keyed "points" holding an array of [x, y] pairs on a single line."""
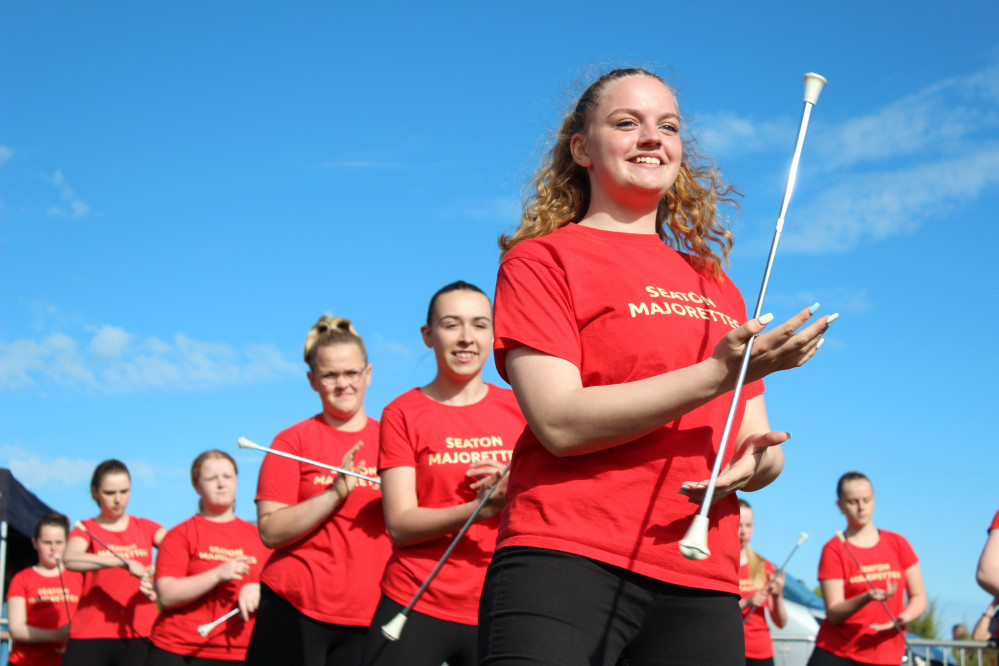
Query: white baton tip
{"points": [[694, 545], [813, 86], [393, 628]]}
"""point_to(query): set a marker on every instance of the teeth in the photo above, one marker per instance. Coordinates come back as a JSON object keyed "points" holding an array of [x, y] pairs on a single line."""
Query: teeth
{"points": [[648, 160]]}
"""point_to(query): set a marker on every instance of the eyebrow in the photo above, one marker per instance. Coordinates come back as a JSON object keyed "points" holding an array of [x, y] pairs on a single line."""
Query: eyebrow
{"points": [[458, 318], [636, 112]]}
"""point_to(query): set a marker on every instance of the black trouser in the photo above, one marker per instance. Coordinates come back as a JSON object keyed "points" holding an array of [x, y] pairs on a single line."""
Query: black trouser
{"points": [[284, 635], [547, 607], [425, 640]]}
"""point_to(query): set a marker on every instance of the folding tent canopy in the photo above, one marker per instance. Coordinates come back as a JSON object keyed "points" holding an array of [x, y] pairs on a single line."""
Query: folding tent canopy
{"points": [[20, 510]]}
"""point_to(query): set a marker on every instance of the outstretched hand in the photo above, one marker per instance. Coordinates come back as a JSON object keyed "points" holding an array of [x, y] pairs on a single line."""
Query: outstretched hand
{"points": [[780, 348], [739, 470]]}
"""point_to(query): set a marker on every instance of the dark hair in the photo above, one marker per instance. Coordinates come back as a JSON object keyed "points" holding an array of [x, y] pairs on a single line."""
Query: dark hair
{"points": [[111, 466], [744, 503], [853, 475], [52, 519], [457, 285]]}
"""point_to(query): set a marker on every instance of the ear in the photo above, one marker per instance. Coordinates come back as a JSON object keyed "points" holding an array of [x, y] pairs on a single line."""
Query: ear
{"points": [[577, 146], [312, 380], [425, 332], [367, 382]]}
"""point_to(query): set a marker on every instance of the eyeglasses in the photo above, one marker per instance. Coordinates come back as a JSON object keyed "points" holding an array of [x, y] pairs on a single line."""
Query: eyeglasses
{"points": [[349, 377]]}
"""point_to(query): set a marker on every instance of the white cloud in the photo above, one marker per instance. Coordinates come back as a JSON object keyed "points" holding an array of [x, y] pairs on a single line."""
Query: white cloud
{"points": [[888, 172], [730, 135], [5, 154], [114, 360], [76, 207], [874, 206], [35, 471], [109, 341]]}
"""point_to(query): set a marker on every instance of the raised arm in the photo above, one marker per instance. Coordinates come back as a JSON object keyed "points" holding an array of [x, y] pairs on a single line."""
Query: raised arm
{"points": [[283, 524], [570, 419], [175, 592], [408, 523], [838, 609], [76, 558]]}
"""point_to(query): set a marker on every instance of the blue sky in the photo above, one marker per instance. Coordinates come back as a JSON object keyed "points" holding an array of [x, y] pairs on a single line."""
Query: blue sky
{"points": [[186, 187]]}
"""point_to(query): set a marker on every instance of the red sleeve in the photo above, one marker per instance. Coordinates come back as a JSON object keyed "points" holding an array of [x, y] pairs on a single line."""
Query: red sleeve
{"points": [[533, 309], [279, 477], [151, 527], [17, 585], [174, 553], [395, 448], [831, 562], [995, 522], [906, 555]]}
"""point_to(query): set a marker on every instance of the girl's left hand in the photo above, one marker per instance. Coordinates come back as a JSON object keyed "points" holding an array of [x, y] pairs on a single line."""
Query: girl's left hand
{"points": [[739, 470], [490, 473], [777, 585], [249, 600]]}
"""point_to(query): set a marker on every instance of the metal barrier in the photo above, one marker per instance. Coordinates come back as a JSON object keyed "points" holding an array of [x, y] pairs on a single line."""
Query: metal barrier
{"points": [[795, 651]]}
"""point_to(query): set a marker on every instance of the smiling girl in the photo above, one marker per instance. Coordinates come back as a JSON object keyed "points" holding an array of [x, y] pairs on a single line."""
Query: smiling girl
{"points": [[621, 336], [442, 446]]}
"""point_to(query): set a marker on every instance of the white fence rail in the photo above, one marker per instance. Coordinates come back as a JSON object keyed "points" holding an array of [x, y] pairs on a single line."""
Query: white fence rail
{"points": [[795, 650]]}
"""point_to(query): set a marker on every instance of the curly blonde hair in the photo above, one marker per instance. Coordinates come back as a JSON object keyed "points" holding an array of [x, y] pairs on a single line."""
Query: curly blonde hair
{"points": [[330, 331], [688, 217]]}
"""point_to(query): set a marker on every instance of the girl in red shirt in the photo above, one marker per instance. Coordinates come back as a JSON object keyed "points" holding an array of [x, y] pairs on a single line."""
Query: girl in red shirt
{"points": [[206, 566], [118, 606], [319, 588], [761, 594], [857, 630], [442, 446], [622, 352], [41, 597]]}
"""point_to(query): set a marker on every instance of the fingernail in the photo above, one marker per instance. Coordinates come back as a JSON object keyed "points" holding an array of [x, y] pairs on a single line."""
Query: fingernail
{"points": [[831, 318], [788, 434], [815, 308], [767, 318], [820, 343]]}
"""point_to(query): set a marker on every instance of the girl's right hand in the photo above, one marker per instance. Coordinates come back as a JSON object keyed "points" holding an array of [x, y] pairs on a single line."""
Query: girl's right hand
{"points": [[345, 483], [878, 594], [780, 348], [233, 569], [491, 472]]}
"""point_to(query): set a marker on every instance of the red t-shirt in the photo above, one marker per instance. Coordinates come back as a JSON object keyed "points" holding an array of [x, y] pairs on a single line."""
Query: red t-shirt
{"points": [[758, 642], [854, 638], [441, 442], [195, 546], [45, 599], [112, 605], [621, 307], [332, 573]]}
